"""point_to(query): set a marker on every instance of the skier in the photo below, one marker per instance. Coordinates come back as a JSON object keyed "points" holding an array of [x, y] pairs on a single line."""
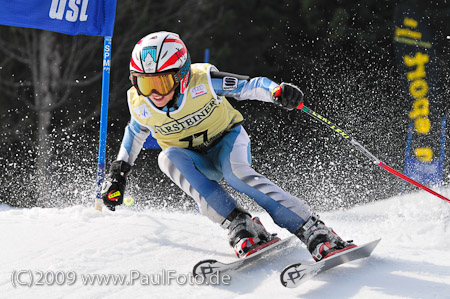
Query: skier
{"points": [[183, 106]]}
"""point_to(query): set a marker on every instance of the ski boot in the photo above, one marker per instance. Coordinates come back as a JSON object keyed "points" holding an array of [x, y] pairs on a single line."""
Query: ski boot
{"points": [[247, 235], [321, 241]]}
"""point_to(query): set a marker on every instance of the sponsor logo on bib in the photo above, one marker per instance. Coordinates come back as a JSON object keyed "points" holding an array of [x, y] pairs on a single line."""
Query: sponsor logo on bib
{"points": [[198, 91]]}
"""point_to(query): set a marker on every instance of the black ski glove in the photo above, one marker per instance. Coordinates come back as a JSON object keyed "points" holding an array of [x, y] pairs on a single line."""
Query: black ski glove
{"points": [[113, 188], [288, 96]]}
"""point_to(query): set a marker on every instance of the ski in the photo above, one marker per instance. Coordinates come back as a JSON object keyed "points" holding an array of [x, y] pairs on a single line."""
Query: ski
{"points": [[206, 268], [296, 274]]}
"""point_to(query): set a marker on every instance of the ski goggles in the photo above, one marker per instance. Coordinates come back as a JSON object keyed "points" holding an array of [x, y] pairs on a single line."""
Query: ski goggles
{"points": [[161, 83]]}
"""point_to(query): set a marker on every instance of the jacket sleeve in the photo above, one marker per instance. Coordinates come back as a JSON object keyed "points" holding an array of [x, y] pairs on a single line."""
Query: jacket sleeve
{"points": [[241, 87], [132, 142]]}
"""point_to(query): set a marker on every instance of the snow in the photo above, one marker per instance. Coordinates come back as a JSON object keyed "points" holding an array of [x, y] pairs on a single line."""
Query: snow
{"points": [[411, 261]]}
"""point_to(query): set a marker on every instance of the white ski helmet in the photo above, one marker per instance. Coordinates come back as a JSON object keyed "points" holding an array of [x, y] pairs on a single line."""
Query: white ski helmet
{"points": [[155, 56]]}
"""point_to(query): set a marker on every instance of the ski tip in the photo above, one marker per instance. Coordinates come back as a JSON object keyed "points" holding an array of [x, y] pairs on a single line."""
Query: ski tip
{"points": [[203, 268], [288, 268], [294, 275]]}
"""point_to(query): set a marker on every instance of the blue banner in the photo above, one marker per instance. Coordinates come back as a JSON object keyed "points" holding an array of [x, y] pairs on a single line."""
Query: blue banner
{"points": [[88, 17], [418, 65]]}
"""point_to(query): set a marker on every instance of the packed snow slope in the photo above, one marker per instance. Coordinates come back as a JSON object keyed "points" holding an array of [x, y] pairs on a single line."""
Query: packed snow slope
{"points": [[411, 261]]}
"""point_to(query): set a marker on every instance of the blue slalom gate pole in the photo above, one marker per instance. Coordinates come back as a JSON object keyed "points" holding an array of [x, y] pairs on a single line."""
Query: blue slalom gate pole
{"points": [[408, 147], [206, 60], [103, 120], [442, 155]]}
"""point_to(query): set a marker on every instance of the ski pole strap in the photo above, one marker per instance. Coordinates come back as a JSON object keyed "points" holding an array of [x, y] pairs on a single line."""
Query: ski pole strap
{"points": [[363, 150]]}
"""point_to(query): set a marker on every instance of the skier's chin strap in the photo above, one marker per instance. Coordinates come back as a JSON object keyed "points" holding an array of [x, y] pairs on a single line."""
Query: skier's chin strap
{"points": [[173, 103]]}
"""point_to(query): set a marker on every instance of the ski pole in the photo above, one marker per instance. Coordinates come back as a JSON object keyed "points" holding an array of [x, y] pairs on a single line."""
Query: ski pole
{"points": [[363, 150]]}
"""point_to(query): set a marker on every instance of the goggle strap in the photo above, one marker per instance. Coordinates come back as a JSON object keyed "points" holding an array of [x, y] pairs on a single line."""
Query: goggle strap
{"points": [[183, 71]]}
